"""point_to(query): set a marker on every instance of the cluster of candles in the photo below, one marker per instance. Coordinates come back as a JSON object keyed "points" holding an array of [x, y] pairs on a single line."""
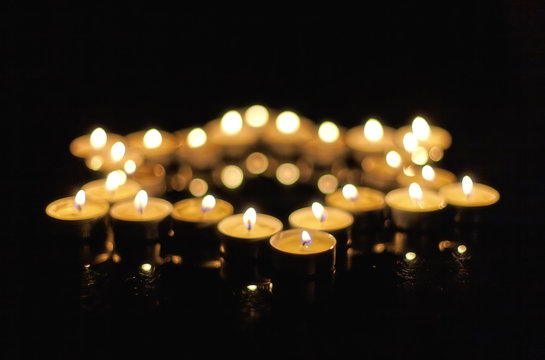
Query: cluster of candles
{"points": [[396, 178]]}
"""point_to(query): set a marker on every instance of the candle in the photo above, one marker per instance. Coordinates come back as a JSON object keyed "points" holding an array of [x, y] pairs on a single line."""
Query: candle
{"points": [[194, 225], [155, 145], [151, 178], [369, 138], [231, 134], [469, 199], [195, 149], [429, 137], [428, 177], [288, 134], [328, 146], [380, 171], [112, 157], [415, 208], [99, 140], [116, 187], [303, 252]]}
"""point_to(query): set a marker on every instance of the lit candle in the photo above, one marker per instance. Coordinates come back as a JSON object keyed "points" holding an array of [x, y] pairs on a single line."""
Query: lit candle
{"points": [[380, 171], [112, 157], [155, 145], [415, 208], [427, 136], [288, 133], [428, 177], [303, 252], [328, 146], [232, 134], [116, 187], [151, 177], [95, 143], [196, 149], [369, 138]]}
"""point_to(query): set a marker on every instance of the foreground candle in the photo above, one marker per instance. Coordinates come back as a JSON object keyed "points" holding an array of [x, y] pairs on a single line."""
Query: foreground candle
{"points": [[303, 252], [425, 135]]}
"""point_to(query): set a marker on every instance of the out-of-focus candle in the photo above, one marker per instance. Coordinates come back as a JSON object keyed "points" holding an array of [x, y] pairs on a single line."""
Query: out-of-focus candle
{"points": [[426, 136], [97, 142], [116, 187], [365, 204], [328, 146], [370, 138], [196, 149], [380, 171], [231, 134], [288, 133], [428, 177], [155, 145]]}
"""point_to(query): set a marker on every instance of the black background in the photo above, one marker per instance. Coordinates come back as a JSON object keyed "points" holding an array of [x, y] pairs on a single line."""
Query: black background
{"points": [[474, 69]]}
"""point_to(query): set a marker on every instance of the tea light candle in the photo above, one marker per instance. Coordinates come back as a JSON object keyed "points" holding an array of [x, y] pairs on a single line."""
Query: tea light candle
{"points": [[288, 133], [428, 177], [369, 138], [196, 150], [414, 207], [365, 204], [231, 134], [156, 145], [380, 171], [426, 135], [86, 145], [303, 252], [328, 146], [113, 158], [116, 187]]}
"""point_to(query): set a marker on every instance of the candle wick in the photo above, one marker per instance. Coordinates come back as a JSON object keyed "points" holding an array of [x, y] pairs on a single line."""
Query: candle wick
{"points": [[249, 225]]}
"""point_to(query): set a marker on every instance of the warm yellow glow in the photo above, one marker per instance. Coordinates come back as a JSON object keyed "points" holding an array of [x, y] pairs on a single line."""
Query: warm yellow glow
{"points": [[410, 256], [436, 153], [428, 173], [79, 200], [146, 267], [409, 170], [118, 151], [208, 203], [287, 174], [152, 139], [251, 287], [420, 128], [319, 211], [328, 132], [393, 159], [249, 218], [196, 138], [350, 192], [445, 244], [410, 142], [198, 187], [98, 138], [256, 116], [419, 156], [141, 201], [379, 248], [129, 167], [231, 122], [328, 183], [95, 162], [113, 180], [416, 194], [467, 186], [257, 163], [461, 249], [372, 130], [306, 240], [232, 176], [288, 122]]}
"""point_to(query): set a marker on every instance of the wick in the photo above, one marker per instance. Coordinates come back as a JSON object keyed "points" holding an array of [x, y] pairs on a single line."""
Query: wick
{"points": [[249, 225], [78, 207]]}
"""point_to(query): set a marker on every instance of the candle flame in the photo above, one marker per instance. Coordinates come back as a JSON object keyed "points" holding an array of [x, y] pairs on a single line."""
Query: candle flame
{"points": [[319, 211], [288, 122], [152, 139], [393, 159], [113, 180], [249, 218], [232, 176], [467, 186], [428, 173], [287, 173], [196, 138], [129, 166], [372, 130], [416, 194], [118, 151], [306, 240], [79, 200], [208, 203], [98, 138], [410, 142], [419, 156], [256, 116], [420, 128], [231, 122], [328, 132], [257, 163], [350, 192], [141, 201], [410, 256]]}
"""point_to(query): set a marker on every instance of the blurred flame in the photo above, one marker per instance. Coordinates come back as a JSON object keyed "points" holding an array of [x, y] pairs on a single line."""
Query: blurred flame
{"points": [[79, 200], [198, 187], [231, 122], [287, 173], [350, 192], [467, 186], [288, 122], [409, 170], [208, 203], [327, 183], [257, 163], [306, 240], [410, 142], [129, 167], [118, 151], [113, 180], [146, 267], [141, 201], [249, 218], [420, 128], [416, 194], [410, 256], [98, 138], [319, 211], [152, 139], [393, 159], [419, 155], [328, 132], [196, 137], [372, 130], [256, 116], [232, 176], [428, 173]]}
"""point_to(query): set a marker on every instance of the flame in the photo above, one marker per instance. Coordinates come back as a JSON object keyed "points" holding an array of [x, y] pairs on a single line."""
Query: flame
{"points": [[256, 116], [141, 201], [327, 183], [467, 186], [410, 142], [231, 122], [98, 138], [232, 176], [410, 256], [196, 138], [415, 192], [419, 156], [118, 151], [288, 122], [287, 173], [420, 128], [461, 249], [113, 180], [249, 218], [428, 173], [79, 200], [152, 139], [393, 159], [129, 166], [328, 132], [319, 211], [372, 130], [208, 203], [306, 240], [257, 163], [350, 192], [198, 187], [409, 170], [146, 267]]}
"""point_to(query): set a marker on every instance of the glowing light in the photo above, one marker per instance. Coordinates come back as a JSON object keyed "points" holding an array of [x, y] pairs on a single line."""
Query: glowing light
{"points": [[129, 167], [249, 218], [393, 159], [410, 256], [198, 187], [428, 173], [231, 122], [379, 248], [409, 170], [141, 201], [98, 138], [328, 183], [461, 249], [288, 122], [152, 139], [328, 132], [256, 116], [251, 287], [306, 240], [287, 173], [436, 153], [416, 194], [372, 130], [420, 128], [118, 151], [445, 244], [467, 186], [146, 267], [208, 203], [319, 211], [232, 176], [196, 138], [95, 162], [350, 192], [79, 200], [113, 180], [419, 156], [257, 163], [410, 142]]}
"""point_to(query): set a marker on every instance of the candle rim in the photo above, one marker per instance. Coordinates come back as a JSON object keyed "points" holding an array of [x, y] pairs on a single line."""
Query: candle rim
{"points": [[332, 212], [446, 190], [114, 210], [197, 201], [81, 145], [237, 219], [313, 233], [441, 202], [52, 206], [336, 199]]}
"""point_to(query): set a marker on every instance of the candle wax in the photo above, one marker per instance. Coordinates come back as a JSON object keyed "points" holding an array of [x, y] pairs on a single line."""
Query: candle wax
{"points": [[401, 200], [169, 143], [336, 219], [265, 226], [190, 210], [97, 190], [438, 137], [368, 200], [356, 140], [64, 209], [290, 241], [483, 195], [156, 210]]}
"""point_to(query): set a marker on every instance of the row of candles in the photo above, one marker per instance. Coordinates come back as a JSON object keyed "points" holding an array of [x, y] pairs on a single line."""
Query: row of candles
{"points": [[316, 231]]}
